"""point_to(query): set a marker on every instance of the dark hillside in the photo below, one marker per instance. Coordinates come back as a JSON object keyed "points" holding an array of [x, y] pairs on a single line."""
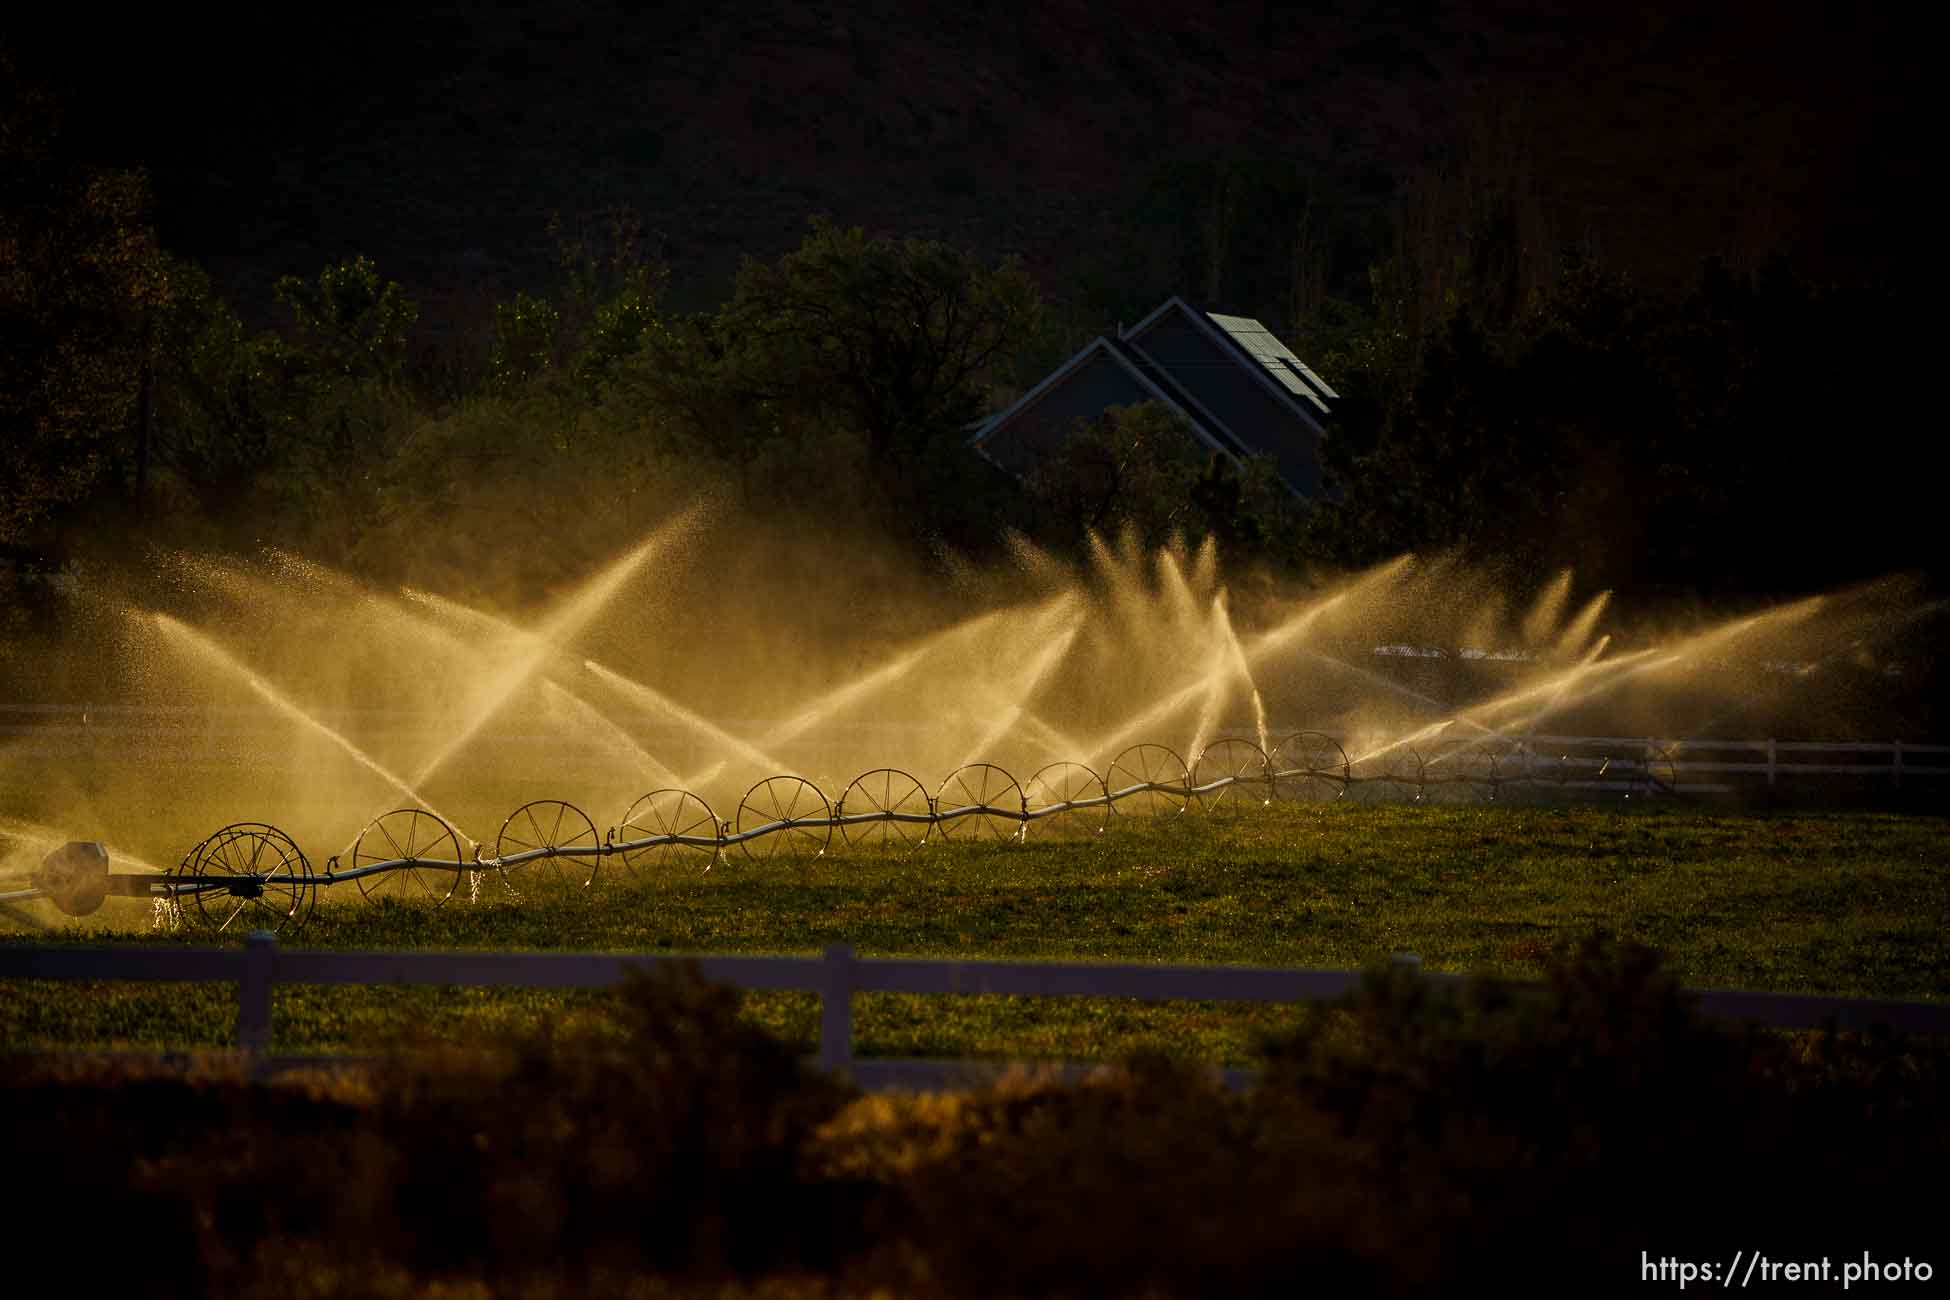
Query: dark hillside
{"points": [[435, 138]]}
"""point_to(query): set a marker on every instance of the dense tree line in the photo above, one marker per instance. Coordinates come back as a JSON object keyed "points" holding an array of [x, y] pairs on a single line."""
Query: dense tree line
{"points": [[1754, 434], [1751, 434]]}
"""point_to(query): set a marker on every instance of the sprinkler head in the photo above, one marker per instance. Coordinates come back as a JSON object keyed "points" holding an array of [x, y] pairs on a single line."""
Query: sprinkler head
{"points": [[75, 876]]}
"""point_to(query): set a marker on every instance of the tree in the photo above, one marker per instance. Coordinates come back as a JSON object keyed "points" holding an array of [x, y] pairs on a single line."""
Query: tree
{"points": [[1133, 466], [80, 278], [899, 338], [349, 323], [1551, 440], [344, 377], [222, 394], [613, 287], [527, 338], [855, 362], [1747, 437], [1249, 510]]}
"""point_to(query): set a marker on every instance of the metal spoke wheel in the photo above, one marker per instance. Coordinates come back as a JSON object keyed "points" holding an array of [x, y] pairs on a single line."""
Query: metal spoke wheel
{"points": [[250, 876], [1542, 767], [1310, 767], [1522, 766], [417, 836], [792, 800], [1462, 771], [1058, 784], [1241, 762], [1142, 766], [885, 790], [1662, 771], [551, 826], [981, 786], [663, 813], [1394, 774]]}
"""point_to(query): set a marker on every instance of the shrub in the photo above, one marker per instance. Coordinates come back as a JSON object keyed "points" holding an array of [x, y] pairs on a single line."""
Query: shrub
{"points": [[662, 1137], [1416, 1139], [1601, 1117]]}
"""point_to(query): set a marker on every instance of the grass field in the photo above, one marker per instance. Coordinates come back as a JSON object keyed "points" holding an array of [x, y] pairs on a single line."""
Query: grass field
{"points": [[1844, 903]]}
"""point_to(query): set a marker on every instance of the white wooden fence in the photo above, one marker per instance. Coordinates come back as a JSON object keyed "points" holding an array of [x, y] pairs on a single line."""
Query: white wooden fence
{"points": [[260, 965], [1649, 762], [132, 734]]}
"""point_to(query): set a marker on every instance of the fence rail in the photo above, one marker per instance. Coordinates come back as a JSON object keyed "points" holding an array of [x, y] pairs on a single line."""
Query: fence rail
{"points": [[1613, 762], [1584, 762], [260, 965]]}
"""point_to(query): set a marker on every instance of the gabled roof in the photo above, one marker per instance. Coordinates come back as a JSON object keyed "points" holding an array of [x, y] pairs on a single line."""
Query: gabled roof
{"points": [[1159, 386], [1258, 342], [1259, 353], [1210, 429], [1241, 344], [1187, 397]]}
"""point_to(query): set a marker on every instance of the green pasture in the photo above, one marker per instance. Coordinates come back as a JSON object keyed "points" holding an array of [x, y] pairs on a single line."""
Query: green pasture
{"points": [[1841, 903]]}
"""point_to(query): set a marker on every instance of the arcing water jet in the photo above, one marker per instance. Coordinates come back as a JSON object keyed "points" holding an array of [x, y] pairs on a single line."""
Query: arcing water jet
{"points": [[554, 635], [1121, 648], [201, 647]]}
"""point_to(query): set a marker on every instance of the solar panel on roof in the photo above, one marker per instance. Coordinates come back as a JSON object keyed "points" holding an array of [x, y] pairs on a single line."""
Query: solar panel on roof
{"points": [[1301, 371], [1304, 390], [1306, 372], [1258, 343]]}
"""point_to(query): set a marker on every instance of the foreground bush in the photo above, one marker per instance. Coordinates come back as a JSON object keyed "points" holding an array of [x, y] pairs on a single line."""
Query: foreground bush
{"points": [[663, 1138], [1412, 1141], [1415, 1140]]}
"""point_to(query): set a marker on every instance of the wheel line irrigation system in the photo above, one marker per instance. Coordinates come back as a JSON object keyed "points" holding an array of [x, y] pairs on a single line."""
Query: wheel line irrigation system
{"points": [[251, 875]]}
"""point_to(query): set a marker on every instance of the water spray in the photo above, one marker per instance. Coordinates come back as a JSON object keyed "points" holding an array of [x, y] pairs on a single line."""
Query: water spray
{"points": [[1045, 653]]}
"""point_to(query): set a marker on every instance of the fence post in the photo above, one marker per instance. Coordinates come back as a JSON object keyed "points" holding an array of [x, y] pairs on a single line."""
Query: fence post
{"points": [[1770, 761], [836, 1009], [254, 993], [1898, 773]]}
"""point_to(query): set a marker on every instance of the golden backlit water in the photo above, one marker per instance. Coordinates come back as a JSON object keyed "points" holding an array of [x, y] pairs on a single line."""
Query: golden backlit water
{"points": [[277, 690]]}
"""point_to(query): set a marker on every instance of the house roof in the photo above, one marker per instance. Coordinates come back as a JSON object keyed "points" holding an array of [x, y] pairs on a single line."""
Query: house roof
{"points": [[1252, 349], [1146, 375], [1209, 428], [1262, 355], [1258, 342]]}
